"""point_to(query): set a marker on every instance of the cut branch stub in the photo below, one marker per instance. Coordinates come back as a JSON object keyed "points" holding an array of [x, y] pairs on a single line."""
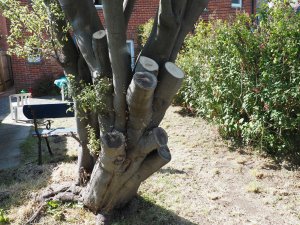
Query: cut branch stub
{"points": [[169, 81], [113, 151], [153, 140], [100, 49], [151, 164], [146, 64], [139, 99]]}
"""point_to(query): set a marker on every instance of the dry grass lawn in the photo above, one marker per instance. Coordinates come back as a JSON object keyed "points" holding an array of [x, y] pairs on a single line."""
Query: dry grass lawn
{"points": [[205, 183]]}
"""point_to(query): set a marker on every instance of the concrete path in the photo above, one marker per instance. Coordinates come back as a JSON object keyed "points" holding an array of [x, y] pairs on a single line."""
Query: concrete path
{"points": [[11, 137], [13, 134], [4, 103]]}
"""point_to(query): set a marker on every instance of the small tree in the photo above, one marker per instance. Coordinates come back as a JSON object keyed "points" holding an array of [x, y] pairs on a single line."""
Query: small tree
{"points": [[121, 107]]}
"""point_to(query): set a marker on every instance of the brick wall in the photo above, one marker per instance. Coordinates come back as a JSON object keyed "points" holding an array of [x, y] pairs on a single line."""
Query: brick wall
{"points": [[222, 9], [25, 73]]}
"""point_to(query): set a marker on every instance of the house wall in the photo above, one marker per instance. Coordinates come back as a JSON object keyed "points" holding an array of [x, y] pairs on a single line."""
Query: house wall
{"points": [[26, 73], [222, 9]]}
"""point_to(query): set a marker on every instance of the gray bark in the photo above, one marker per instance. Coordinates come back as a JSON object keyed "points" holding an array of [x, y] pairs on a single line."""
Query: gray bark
{"points": [[110, 160], [119, 57], [151, 164], [85, 22], [107, 116], [71, 61], [165, 30], [132, 145], [128, 6], [145, 64], [100, 49], [173, 22], [169, 81], [139, 99], [194, 8]]}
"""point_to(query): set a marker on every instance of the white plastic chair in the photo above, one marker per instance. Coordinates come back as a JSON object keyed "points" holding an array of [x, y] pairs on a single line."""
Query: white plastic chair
{"points": [[15, 101]]}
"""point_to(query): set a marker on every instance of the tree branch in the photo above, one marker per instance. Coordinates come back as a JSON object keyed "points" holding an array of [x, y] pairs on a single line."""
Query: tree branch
{"points": [[100, 48], [164, 31], [85, 22], [169, 82], [128, 6], [119, 57], [151, 164], [193, 10], [139, 99]]}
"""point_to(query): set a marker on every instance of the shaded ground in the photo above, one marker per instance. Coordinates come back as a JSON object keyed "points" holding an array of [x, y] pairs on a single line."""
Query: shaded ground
{"points": [[12, 134], [205, 183], [4, 103]]}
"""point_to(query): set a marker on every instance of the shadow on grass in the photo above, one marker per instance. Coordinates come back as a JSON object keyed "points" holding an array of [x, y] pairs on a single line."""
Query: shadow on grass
{"points": [[170, 170], [187, 112], [141, 211], [17, 184], [288, 159]]}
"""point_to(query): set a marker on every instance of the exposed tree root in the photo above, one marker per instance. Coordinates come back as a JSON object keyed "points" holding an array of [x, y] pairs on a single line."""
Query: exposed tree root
{"points": [[66, 192], [34, 218]]}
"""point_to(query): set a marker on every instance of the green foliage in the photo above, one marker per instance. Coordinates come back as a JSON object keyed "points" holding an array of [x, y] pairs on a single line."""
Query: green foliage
{"points": [[93, 141], [92, 97], [3, 218], [53, 204], [144, 31], [32, 27], [246, 77], [54, 208]]}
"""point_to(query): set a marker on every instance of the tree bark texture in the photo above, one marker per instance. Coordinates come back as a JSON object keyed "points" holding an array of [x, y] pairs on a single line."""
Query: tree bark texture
{"points": [[173, 22], [133, 146]]}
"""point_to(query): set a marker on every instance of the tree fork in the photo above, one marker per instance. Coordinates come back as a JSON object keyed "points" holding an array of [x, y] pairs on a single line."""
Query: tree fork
{"points": [[85, 22], [156, 139], [153, 162]]}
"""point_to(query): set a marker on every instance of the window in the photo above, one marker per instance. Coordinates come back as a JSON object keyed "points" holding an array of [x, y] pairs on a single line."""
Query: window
{"points": [[98, 4], [130, 46], [34, 57], [236, 3]]}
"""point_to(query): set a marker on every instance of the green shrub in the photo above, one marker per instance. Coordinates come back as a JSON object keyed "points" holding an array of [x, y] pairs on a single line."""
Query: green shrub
{"points": [[246, 77], [45, 86], [144, 31]]}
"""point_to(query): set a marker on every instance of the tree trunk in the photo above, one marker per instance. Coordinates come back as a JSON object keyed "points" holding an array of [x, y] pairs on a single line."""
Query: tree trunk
{"points": [[133, 146]]}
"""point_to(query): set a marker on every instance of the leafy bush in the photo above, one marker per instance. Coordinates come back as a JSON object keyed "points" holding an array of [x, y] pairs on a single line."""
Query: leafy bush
{"points": [[246, 77], [144, 31], [45, 86]]}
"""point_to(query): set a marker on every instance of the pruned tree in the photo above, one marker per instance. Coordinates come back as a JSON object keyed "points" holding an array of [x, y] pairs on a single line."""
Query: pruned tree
{"points": [[129, 105]]}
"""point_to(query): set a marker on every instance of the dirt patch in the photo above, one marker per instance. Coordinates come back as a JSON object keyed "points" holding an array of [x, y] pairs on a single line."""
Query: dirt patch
{"points": [[211, 185], [205, 183]]}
